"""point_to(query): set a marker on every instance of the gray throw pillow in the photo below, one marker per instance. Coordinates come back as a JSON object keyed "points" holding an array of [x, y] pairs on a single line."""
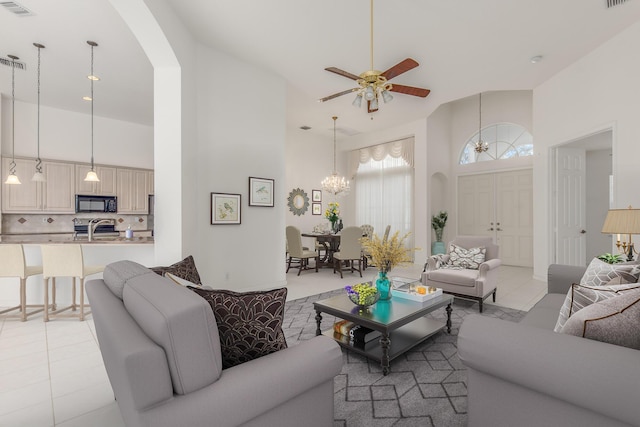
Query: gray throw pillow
{"points": [[614, 321], [599, 273]]}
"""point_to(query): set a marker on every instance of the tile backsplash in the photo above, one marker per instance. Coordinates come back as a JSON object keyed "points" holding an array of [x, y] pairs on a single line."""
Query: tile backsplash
{"points": [[34, 223]]}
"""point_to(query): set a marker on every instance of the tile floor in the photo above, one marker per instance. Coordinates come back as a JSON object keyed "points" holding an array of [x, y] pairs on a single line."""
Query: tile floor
{"points": [[52, 374]]}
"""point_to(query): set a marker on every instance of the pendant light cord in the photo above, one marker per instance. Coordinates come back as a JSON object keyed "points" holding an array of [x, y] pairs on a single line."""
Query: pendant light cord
{"points": [[480, 119], [371, 32]]}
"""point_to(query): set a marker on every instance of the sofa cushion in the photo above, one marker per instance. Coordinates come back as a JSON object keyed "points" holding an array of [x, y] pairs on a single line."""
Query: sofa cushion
{"points": [[615, 321], [182, 324], [545, 313], [116, 274], [185, 269], [466, 258], [600, 273], [580, 296], [458, 276], [249, 323]]}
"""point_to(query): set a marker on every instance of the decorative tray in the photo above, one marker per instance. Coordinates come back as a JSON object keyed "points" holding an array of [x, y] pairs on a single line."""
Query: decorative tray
{"points": [[406, 292]]}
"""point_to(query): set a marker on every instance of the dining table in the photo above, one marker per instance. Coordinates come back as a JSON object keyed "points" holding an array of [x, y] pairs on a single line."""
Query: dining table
{"points": [[331, 244]]}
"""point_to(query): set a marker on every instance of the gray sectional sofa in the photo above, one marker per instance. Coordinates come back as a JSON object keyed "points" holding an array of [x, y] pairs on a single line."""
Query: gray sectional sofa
{"points": [[525, 374], [161, 350]]}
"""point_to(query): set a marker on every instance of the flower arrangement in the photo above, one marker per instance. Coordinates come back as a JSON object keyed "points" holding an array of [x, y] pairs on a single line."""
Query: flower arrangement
{"points": [[387, 253], [437, 223], [333, 212], [363, 294]]}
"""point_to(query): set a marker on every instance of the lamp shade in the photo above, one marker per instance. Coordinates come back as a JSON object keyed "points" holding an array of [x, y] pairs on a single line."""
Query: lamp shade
{"points": [[622, 221], [92, 177]]}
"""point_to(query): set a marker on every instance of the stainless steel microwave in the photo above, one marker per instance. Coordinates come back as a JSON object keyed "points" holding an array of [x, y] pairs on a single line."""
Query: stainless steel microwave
{"points": [[96, 203]]}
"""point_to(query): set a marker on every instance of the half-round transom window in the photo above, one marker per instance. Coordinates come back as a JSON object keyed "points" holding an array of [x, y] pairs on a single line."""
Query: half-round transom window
{"points": [[504, 141]]}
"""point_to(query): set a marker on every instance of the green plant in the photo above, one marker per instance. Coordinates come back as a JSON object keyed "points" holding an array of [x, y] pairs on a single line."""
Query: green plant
{"points": [[611, 258], [438, 223], [332, 213]]}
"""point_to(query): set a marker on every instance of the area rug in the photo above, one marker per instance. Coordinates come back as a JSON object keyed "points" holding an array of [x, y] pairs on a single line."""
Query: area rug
{"points": [[426, 387]]}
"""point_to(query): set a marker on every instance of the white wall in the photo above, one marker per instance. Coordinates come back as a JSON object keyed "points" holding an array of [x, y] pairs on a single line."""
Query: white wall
{"points": [[595, 93]]}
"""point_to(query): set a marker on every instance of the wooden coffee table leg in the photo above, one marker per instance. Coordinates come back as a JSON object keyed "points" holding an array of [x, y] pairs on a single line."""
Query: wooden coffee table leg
{"points": [[449, 310], [384, 360], [318, 320]]}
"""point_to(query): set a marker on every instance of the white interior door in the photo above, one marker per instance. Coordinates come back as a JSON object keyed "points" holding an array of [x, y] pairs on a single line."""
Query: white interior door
{"points": [[570, 206], [499, 205]]}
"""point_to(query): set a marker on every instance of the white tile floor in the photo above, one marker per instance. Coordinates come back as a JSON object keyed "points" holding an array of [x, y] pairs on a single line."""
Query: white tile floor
{"points": [[51, 374]]}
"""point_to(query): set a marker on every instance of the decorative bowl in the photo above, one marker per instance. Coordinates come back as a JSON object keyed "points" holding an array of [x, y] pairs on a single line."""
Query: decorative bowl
{"points": [[363, 295]]}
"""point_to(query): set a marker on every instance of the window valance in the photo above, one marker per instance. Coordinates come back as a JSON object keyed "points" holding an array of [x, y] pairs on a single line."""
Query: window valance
{"points": [[401, 148]]}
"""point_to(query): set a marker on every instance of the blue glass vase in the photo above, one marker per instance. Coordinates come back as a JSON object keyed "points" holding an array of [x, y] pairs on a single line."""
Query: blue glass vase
{"points": [[384, 286]]}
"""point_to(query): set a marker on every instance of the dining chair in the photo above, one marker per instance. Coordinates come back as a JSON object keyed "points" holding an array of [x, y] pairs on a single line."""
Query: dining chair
{"points": [[14, 265], [65, 260], [301, 255], [350, 250]]}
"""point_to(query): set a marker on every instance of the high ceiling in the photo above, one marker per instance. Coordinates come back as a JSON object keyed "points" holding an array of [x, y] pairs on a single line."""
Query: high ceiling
{"points": [[463, 47]]}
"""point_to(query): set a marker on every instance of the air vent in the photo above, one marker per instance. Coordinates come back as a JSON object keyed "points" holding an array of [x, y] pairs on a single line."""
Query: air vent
{"points": [[7, 62], [305, 127], [611, 3], [16, 9]]}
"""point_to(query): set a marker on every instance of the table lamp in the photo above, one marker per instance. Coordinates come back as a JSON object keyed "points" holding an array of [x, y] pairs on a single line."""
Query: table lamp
{"points": [[623, 221]]}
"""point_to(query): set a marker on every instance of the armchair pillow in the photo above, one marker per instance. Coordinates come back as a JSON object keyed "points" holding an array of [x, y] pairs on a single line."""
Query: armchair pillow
{"points": [[249, 323], [466, 258]]}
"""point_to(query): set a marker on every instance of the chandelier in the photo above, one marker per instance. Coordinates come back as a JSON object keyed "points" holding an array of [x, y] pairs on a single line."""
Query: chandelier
{"points": [[335, 184], [480, 146]]}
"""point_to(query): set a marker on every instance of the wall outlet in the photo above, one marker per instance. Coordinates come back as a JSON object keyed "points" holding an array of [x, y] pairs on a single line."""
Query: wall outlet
{"points": [[44, 220]]}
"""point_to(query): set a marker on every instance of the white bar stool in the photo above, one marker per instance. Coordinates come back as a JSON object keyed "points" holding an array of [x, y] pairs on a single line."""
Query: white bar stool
{"points": [[65, 260], [14, 265]]}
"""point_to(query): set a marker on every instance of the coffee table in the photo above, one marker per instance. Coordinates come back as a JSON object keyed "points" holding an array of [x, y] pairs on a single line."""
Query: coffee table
{"points": [[401, 323]]}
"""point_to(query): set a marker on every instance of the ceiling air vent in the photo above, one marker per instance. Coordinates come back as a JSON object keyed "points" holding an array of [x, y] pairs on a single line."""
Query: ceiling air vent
{"points": [[15, 8], [305, 127], [611, 3]]}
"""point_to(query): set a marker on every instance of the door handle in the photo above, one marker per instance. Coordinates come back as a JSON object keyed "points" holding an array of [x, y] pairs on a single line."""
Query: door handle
{"points": [[583, 231], [490, 229]]}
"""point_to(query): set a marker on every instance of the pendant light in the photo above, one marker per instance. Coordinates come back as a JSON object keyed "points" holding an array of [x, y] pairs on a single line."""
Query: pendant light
{"points": [[91, 175], [481, 146], [38, 176], [335, 184], [13, 178]]}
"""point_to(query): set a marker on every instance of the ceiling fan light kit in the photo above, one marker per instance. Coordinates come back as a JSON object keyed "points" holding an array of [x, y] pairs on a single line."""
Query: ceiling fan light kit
{"points": [[374, 84]]}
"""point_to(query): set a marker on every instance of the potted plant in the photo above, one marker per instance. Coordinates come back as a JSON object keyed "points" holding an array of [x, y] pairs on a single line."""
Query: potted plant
{"points": [[611, 258], [438, 222]]}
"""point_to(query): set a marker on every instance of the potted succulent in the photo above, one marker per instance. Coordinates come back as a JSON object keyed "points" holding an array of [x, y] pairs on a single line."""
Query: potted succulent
{"points": [[611, 258], [438, 222]]}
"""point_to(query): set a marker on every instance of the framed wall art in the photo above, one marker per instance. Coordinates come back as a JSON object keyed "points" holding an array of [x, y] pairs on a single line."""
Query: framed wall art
{"points": [[316, 208], [316, 196], [225, 208], [260, 191]]}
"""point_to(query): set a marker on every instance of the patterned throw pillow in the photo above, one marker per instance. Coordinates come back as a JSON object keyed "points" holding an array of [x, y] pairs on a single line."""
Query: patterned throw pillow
{"points": [[466, 258], [600, 273], [614, 321], [580, 296], [249, 323], [185, 269]]}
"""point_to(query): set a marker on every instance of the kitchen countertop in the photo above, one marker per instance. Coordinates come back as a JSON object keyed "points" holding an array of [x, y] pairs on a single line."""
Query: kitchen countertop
{"points": [[35, 239]]}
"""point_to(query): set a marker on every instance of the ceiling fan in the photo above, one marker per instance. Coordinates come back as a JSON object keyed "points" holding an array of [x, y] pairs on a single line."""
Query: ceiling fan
{"points": [[374, 84]]}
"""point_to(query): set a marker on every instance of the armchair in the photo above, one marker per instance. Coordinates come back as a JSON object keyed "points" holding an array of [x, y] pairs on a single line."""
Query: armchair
{"points": [[465, 283]]}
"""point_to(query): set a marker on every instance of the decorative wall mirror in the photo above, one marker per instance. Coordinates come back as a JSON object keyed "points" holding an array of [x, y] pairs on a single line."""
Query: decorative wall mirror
{"points": [[298, 201]]}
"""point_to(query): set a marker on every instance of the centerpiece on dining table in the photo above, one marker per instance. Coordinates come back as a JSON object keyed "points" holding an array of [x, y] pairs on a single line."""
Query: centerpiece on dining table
{"points": [[333, 215], [385, 254]]}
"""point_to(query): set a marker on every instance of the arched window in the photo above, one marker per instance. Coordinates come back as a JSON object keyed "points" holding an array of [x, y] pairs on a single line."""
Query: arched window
{"points": [[505, 141]]}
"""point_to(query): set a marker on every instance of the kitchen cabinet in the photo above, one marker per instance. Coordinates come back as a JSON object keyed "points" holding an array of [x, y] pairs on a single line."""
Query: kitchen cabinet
{"points": [[133, 190], [55, 195], [151, 182], [106, 186]]}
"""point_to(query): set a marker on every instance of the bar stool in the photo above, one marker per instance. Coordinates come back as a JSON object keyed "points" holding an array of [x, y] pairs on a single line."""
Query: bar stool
{"points": [[65, 260], [14, 265]]}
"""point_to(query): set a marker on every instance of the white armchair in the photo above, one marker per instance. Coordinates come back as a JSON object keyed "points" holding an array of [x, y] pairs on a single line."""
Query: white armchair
{"points": [[465, 283]]}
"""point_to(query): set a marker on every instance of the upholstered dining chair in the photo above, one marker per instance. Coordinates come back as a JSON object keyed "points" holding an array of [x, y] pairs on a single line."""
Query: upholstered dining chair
{"points": [[367, 231], [350, 250], [465, 273], [297, 252], [13, 264], [65, 260]]}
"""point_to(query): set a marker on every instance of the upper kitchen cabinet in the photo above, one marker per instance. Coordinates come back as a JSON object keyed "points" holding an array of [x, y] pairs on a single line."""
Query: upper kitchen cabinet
{"points": [[133, 191], [55, 195], [105, 187]]}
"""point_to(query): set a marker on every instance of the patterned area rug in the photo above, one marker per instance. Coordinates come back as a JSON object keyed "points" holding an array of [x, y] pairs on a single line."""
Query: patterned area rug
{"points": [[427, 386]]}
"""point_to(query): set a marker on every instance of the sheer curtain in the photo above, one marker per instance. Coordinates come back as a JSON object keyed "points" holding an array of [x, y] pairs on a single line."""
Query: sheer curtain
{"points": [[384, 192]]}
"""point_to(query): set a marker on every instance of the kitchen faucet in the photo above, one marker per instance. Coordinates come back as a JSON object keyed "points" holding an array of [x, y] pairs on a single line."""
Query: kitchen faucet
{"points": [[93, 225]]}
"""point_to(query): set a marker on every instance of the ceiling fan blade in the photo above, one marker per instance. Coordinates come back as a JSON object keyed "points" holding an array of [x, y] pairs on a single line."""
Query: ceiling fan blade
{"points": [[342, 73], [399, 68], [335, 95], [369, 110], [410, 90]]}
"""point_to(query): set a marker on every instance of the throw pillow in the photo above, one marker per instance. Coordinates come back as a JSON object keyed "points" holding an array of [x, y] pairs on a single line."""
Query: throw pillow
{"points": [[466, 258], [614, 321], [599, 273], [249, 323], [580, 296], [185, 269]]}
